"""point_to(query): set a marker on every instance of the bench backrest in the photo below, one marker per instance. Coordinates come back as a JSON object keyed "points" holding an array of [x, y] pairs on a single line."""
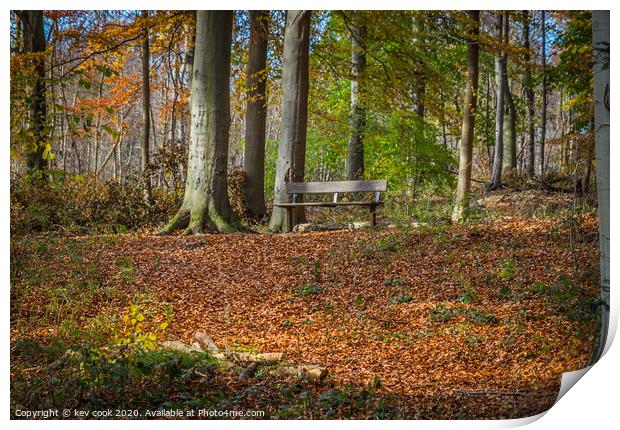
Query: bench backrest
{"points": [[336, 187]]}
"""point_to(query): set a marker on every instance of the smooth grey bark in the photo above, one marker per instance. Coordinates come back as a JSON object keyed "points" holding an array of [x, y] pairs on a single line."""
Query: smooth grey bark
{"points": [[600, 71], [500, 76], [34, 43], [509, 158], [469, 119], [187, 71], [256, 115], [292, 145], [205, 203], [543, 116], [529, 95], [357, 119], [146, 109]]}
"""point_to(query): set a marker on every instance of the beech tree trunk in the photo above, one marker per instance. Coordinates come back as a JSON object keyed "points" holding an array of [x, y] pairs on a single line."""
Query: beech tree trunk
{"points": [[601, 48], [500, 76], [146, 110], [469, 118], [256, 115], [529, 94], [34, 43], [292, 145], [509, 161], [355, 158], [543, 119], [205, 203]]}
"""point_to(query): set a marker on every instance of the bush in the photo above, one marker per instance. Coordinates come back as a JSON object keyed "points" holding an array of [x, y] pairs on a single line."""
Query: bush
{"points": [[80, 204]]}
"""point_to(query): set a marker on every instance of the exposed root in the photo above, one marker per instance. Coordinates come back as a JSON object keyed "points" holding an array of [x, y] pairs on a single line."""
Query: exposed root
{"points": [[180, 220]]}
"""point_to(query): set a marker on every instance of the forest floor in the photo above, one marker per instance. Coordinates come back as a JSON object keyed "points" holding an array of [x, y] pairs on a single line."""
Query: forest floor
{"points": [[472, 321]]}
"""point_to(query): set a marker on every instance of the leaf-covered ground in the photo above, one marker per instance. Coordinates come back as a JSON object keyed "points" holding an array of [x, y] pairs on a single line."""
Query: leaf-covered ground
{"points": [[442, 322]]}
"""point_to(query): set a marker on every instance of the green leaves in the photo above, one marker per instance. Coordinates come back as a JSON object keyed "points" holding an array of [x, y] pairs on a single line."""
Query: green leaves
{"points": [[84, 84]]}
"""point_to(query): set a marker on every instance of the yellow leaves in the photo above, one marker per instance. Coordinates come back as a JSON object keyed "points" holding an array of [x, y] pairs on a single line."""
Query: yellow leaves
{"points": [[137, 332]]}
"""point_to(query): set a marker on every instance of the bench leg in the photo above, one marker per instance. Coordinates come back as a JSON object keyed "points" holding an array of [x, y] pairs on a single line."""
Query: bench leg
{"points": [[373, 215], [289, 220]]}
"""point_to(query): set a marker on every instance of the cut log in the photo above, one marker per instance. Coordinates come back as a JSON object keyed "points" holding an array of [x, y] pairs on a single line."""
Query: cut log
{"points": [[177, 345], [206, 341], [269, 357], [311, 372], [249, 371]]}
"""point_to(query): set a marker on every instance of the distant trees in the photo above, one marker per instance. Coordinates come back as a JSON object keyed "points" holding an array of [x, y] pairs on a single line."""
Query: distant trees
{"points": [[256, 115], [205, 203], [389, 99], [292, 146], [469, 115]]}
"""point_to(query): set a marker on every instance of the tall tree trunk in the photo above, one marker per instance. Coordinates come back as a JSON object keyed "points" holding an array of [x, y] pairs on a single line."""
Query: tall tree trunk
{"points": [[146, 109], [292, 145], [500, 76], [469, 118], [205, 202], [601, 47], [187, 73], [34, 43], [543, 119], [509, 161], [529, 94], [357, 120], [487, 116], [256, 115]]}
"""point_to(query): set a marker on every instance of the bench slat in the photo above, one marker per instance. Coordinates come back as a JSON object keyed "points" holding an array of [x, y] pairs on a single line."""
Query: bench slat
{"points": [[336, 187]]}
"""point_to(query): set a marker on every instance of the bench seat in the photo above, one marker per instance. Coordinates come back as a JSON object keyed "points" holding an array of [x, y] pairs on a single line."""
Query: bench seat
{"points": [[297, 188], [327, 204]]}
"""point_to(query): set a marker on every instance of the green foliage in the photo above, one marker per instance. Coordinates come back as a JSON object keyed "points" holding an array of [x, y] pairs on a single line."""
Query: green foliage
{"points": [[469, 292], [126, 269], [309, 289], [480, 317], [401, 298], [568, 299], [506, 271], [443, 312]]}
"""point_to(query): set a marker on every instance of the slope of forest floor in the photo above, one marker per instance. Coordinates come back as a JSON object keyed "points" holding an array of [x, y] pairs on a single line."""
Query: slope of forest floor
{"points": [[471, 321]]}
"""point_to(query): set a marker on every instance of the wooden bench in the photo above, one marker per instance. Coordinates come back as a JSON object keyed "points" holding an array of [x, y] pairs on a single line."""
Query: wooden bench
{"points": [[335, 187]]}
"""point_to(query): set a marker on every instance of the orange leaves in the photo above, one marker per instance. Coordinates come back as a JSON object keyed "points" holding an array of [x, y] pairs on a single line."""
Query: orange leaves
{"points": [[250, 292]]}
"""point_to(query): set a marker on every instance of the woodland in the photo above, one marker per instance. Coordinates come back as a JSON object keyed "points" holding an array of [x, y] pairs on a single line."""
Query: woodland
{"points": [[154, 266]]}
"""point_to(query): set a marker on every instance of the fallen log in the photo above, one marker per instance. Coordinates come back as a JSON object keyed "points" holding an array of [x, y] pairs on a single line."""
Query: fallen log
{"points": [[309, 371], [222, 354], [205, 341], [269, 357], [177, 345]]}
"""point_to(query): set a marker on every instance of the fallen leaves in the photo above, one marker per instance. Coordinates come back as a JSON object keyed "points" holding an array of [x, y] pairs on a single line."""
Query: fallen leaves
{"points": [[251, 291]]}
